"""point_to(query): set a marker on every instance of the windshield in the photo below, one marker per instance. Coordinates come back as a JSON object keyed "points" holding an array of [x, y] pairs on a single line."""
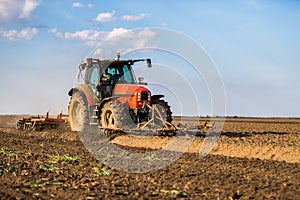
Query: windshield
{"points": [[121, 74]]}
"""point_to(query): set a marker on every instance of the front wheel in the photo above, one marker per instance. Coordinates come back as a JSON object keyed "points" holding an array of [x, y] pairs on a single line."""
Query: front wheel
{"points": [[78, 112], [115, 115], [108, 119], [162, 112]]}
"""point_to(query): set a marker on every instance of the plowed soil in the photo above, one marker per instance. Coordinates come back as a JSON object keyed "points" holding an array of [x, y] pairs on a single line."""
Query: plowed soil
{"points": [[253, 159]]}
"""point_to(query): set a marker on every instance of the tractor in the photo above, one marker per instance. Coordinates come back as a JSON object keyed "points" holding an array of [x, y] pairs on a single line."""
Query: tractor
{"points": [[110, 98]]}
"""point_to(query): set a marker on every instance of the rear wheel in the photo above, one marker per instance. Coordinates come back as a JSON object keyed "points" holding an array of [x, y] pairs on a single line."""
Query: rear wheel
{"points": [[78, 112]]}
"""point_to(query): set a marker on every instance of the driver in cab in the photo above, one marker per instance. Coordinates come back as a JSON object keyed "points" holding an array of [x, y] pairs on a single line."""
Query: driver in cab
{"points": [[104, 84], [106, 78]]}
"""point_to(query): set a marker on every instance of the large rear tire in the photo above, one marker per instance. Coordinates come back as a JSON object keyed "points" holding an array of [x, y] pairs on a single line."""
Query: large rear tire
{"points": [[78, 112]]}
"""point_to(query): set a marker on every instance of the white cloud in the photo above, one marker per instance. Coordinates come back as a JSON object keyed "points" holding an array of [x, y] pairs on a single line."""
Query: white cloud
{"points": [[12, 35], [105, 17], [28, 33], [56, 33], [16, 10], [54, 30], [125, 40], [120, 33], [9, 35], [84, 35], [136, 39], [77, 5], [29, 6], [134, 18], [80, 5], [90, 37], [142, 38]]}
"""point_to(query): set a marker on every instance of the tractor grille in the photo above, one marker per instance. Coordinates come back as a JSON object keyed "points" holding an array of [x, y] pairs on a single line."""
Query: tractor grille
{"points": [[144, 95]]}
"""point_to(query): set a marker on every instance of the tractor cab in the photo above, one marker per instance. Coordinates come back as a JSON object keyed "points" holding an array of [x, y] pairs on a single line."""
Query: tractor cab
{"points": [[103, 75]]}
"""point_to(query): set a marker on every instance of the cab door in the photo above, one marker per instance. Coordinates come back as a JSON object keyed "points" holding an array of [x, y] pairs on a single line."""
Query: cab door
{"points": [[94, 78]]}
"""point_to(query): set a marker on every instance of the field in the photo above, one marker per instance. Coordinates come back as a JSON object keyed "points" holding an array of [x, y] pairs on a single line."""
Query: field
{"points": [[254, 158]]}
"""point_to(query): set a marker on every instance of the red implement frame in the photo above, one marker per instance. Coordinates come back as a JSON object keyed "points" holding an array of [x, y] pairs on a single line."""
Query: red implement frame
{"points": [[40, 122]]}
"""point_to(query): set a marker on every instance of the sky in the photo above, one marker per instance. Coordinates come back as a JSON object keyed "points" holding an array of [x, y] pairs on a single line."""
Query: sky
{"points": [[254, 45]]}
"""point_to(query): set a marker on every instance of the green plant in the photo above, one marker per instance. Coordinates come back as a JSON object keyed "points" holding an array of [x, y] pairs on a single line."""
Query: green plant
{"points": [[174, 192], [66, 159], [8, 152], [54, 159], [102, 171], [11, 169], [7, 168], [47, 167]]}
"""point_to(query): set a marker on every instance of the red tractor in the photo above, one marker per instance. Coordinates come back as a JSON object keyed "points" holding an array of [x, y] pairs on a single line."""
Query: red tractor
{"points": [[111, 99]]}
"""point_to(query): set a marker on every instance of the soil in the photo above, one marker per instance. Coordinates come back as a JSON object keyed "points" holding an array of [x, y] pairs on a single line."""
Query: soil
{"points": [[252, 159]]}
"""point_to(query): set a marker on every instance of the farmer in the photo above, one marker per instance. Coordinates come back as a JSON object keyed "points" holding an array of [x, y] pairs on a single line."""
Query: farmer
{"points": [[105, 79], [104, 85]]}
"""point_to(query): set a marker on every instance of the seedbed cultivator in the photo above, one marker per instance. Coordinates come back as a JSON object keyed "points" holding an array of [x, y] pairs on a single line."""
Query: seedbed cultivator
{"points": [[158, 126], [152, 130], [38, 123]]}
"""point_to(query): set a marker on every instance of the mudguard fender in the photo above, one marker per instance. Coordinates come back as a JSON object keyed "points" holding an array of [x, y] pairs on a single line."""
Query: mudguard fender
{"points": [[84, 89], [156, 97]]}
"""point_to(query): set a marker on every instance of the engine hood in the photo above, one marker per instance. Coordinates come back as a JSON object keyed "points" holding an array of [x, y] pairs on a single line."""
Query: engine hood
{"points": [[130, 94], [127, 89]]}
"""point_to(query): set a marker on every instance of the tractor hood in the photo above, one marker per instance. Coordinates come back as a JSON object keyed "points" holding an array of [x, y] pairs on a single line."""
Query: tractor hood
{"points": [[127, 89], [132, 95]]}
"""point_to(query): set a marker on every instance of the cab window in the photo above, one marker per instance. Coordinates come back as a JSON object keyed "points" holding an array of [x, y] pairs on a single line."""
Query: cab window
{"points": [[121, 74], [93, 80]]}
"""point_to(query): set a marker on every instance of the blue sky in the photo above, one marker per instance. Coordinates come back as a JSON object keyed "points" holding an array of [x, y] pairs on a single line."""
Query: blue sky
{"points": [[254, 44]]}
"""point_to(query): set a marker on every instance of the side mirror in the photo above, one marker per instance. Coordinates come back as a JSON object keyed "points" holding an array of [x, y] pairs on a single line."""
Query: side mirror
{"points": [[82, 66], [148, 60], [141, 79]]}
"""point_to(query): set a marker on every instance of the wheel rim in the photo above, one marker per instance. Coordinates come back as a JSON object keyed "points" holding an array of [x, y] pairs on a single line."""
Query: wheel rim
{"points": [[109, 120]]}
